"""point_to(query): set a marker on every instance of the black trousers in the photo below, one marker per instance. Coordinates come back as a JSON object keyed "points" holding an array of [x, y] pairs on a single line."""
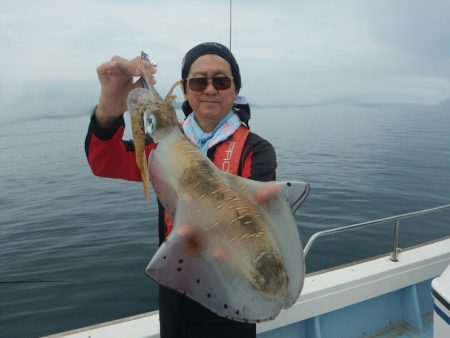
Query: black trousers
{"points": [[181, 317]]}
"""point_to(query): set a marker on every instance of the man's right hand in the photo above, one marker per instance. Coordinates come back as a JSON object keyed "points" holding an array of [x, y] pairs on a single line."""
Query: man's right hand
{"points": [[116, 80]]}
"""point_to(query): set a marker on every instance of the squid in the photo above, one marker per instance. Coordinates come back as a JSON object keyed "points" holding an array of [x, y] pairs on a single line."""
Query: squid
{"points": [[235, 246]]}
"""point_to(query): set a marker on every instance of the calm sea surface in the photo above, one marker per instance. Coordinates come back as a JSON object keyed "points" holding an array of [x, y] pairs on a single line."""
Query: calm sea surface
{"points": [[73, 247]]}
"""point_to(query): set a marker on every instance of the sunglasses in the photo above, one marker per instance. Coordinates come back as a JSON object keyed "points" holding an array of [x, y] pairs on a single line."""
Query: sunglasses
{"points": [[199, 84]]}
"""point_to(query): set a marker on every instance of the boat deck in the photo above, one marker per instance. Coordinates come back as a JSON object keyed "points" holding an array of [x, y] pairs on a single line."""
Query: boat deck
{"points": [[374, 298]]}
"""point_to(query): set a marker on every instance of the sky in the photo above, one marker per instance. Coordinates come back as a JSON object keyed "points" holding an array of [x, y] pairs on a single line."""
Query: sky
{"points": [[290, 52]]}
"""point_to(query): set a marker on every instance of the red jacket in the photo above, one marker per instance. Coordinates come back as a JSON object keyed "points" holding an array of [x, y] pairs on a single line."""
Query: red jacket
{"points": [[110, 156]]}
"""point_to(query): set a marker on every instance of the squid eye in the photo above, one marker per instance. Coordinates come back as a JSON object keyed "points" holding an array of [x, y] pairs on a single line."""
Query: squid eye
{"points": [[150, 123]]}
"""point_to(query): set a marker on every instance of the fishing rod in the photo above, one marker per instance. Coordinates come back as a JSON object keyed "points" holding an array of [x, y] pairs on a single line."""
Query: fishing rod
{"points": [[231, 2]]}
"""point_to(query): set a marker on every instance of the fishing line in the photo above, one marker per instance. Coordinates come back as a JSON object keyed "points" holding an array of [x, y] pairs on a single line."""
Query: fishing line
{"points": [[38, 281]]}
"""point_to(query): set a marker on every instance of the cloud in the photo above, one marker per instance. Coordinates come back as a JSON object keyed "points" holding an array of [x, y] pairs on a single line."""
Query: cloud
{"points": [[419, 28], [289, 52]]}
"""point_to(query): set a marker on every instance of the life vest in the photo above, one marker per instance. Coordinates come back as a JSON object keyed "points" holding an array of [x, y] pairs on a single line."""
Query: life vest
{"points": [[227, 157]]}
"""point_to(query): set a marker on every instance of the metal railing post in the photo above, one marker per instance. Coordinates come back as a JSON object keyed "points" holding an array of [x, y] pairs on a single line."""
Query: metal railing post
{"points": [[394, 253]]}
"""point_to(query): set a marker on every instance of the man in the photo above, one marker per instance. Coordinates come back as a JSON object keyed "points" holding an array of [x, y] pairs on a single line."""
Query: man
{"points": [[211, 83]]}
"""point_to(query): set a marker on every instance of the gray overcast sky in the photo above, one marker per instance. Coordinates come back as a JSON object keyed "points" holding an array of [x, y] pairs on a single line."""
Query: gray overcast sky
{"points": [[295, 52]]}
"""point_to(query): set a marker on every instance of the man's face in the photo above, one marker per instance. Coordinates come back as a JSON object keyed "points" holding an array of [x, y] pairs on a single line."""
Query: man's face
{"points": [[210, 106]]}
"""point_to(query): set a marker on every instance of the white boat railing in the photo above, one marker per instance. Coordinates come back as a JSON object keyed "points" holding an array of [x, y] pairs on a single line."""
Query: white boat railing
{"points": [[396, 219]]}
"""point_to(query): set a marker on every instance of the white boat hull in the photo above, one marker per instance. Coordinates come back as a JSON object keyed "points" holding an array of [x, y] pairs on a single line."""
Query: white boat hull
{"points": [[441, 312]]}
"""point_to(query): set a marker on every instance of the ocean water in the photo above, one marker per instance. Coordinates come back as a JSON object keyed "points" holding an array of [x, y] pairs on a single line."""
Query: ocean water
{"points": [[73, 247]]}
